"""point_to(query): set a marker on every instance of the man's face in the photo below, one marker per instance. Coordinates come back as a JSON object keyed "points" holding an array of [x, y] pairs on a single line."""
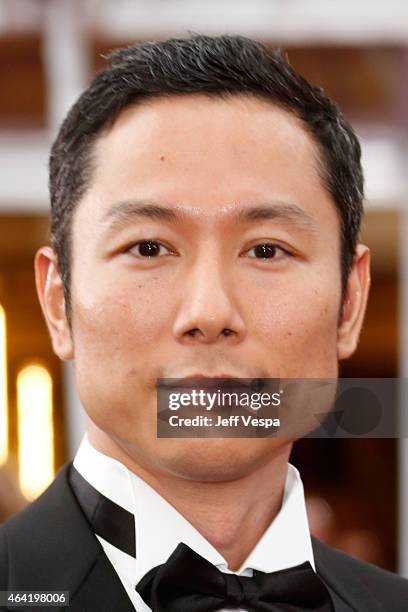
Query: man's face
{"points": [[208, 182]]}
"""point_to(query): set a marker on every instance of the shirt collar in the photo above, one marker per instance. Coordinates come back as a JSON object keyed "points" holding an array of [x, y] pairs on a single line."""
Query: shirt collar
{"points": [[159, 527]]}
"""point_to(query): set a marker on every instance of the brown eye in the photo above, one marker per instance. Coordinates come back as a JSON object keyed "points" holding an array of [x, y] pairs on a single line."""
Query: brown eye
{"points": [[265, 251], [268, 251], [148, 248]]}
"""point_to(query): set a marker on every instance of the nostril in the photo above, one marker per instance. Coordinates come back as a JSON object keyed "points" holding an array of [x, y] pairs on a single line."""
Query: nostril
{"points": [[192, 332]]}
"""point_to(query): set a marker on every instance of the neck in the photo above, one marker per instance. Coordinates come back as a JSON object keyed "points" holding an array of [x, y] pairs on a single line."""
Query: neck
{"points": [[232, 515]]}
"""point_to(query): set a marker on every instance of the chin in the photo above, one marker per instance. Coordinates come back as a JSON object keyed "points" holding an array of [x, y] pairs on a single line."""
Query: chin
{"points": [[217, 459]]}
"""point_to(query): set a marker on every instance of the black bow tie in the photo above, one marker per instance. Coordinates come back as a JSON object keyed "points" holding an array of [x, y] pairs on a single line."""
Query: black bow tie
{"points": [[189, 583]]}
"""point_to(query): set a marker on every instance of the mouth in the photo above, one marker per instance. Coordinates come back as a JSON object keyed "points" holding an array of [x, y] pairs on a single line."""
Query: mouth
{"points": [[226, 382]]}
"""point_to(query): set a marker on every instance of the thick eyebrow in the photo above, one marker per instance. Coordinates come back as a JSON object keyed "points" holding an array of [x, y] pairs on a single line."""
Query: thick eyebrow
{"points": [[121, 214], [289, 212]]}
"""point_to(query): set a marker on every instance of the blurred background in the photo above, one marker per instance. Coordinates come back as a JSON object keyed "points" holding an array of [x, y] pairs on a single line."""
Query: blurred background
{"points": [[357, 491]]}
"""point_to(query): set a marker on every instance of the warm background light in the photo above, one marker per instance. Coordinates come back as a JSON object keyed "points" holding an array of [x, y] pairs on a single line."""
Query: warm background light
{"points": [[35, 430], [3, 389]]}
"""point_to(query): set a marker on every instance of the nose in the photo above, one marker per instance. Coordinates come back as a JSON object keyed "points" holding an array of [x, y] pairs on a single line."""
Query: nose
{"points": [[208, 310]]}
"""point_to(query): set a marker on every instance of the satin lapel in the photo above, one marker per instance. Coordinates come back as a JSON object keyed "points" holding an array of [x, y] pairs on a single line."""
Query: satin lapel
{"points": [[341, 579], [101, 590], [339, 604], [51, 547]]}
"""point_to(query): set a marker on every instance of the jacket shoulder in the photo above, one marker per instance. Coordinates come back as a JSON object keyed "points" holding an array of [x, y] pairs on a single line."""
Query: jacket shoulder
{"points": [[14, 533], [48, 530], [16, 537], [3, 560], [387, 588]]}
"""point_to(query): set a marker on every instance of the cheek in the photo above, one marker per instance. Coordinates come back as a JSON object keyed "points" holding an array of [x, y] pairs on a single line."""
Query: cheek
{"points": [[116, 331], [299, 323], [121, 318]]}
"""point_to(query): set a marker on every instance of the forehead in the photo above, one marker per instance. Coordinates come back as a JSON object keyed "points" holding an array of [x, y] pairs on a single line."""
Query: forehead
{"points": [[208, 153]]}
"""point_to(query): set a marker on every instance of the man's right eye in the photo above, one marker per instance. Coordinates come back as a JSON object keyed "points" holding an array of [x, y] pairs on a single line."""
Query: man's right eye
{"points": [[148, 249]]}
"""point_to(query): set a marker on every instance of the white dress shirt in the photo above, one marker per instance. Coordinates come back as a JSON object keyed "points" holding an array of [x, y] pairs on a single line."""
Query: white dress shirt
{"points": [[159, 527]]}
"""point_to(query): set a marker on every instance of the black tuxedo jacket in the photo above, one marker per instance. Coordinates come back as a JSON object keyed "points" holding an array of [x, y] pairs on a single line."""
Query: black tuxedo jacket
{"points": [[50, 546]]}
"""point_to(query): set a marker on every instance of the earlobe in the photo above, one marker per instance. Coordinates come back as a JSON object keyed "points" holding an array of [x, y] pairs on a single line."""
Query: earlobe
{"points": [[50, 292], [355, 303]]}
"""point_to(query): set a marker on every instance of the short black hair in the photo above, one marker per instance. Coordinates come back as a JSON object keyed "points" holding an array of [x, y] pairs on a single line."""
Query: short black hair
{"points": [[219, 66]]}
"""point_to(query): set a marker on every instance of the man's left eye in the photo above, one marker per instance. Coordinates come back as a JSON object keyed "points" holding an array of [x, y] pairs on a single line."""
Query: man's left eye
{"points": [[266, 250], [149, 248]]}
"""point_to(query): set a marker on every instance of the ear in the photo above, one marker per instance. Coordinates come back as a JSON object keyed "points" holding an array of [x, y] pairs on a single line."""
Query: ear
{"points": [[50, 292], [355, 302]]}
